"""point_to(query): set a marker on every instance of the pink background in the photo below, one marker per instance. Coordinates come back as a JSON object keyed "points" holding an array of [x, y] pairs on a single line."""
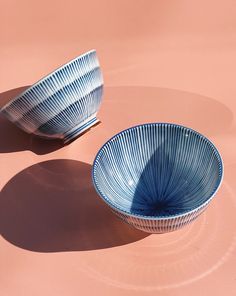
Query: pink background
{"points": [[168, 61]]}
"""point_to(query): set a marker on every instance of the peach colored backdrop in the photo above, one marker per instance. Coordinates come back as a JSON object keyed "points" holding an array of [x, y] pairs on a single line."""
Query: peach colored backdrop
{"points": [[169, 61]]}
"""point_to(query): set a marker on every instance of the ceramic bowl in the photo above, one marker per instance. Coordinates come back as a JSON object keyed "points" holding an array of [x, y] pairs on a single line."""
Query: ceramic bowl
{"points": [[158, 177], [63, 104]]}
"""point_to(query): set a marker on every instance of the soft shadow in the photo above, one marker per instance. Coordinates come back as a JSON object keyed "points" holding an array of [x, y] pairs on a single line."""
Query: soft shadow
{"points": [[166, 188], [151, 195], [53, 207], [141, 104], [14, 139], [7, 96]]}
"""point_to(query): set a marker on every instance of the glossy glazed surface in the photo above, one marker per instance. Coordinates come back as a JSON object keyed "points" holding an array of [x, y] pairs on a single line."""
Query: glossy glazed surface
{"points": [[63, 104], [166, 61], [158, 177]]}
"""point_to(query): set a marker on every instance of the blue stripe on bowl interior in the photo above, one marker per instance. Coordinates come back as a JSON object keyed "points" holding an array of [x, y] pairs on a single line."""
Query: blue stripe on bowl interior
{"points": [[158, 171]]}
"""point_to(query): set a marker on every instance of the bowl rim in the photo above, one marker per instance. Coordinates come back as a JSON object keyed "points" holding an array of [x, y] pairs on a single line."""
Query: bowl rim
{"points": [[161, 217], [56, 70]]}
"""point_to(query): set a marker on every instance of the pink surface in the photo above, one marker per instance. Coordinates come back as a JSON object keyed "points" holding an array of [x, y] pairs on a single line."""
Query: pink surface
{"points": [[168, 61]]}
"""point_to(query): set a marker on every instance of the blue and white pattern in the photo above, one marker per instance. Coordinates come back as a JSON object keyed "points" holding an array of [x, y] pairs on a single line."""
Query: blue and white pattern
{"points": [[158, 177], [63, 104]]}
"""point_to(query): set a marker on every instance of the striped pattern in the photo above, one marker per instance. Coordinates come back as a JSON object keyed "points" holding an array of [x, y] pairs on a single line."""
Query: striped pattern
{"points": [[158, 177], [63, 104]]}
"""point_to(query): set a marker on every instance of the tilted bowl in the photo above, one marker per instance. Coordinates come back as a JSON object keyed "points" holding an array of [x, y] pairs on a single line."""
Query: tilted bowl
{"points": [[63, 104], [158, 177]]}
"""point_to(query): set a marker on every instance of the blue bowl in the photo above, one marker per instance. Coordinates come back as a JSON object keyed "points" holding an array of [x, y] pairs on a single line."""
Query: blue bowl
{"points": [[158, 177], [63, 104]]}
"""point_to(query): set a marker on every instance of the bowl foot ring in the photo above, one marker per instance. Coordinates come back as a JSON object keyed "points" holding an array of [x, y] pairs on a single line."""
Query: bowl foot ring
{"points": [[80, 129]]}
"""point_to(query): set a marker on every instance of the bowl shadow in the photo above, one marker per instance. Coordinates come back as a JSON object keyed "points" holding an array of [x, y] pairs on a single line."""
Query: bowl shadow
{"points": [[166, 189], [53, 207], [17, 140]]}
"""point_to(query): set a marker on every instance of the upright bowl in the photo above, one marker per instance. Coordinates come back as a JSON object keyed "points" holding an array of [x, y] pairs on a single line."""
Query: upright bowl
{"points": [[63, 104], [158, 177]]}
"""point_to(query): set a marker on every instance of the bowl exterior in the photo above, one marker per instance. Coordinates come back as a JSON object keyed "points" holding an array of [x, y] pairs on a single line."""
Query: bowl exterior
{"points": [[63, 104], [160, 225]]}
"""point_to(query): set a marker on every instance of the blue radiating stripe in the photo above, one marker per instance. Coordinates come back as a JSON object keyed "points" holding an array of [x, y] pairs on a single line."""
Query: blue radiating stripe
{"points": [[158, 171]]}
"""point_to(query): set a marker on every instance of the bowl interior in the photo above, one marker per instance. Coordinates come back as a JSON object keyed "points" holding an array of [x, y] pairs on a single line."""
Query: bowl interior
{"points": [[157, 170]]}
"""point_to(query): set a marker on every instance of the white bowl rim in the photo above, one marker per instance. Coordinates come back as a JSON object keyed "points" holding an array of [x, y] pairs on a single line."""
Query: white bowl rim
{"points": [[46, 77], [161, 217]]}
